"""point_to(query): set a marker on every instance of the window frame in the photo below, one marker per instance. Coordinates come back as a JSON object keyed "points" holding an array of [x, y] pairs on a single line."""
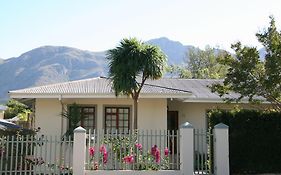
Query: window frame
{"points": [[117, 107], [83, 106]]}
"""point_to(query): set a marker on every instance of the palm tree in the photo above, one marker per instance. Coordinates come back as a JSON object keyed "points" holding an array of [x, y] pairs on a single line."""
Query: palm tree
{"points": [[131, 64]]}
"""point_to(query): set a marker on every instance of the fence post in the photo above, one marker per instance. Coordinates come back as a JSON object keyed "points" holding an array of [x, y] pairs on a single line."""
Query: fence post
{"points": [[221, 149], [79, 150], [187, 149]]}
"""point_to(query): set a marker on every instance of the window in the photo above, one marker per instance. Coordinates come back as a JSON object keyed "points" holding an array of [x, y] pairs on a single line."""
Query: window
{"points": [[87, 116], [117, 118]]}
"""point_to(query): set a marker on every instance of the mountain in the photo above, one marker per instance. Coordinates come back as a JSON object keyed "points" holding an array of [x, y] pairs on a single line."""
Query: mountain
{"points": [[53, 64], [175, 51], [49, 64]]}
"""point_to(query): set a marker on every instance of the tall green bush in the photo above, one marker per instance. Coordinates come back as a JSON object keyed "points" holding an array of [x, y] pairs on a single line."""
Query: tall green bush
{"points": [[254, 139]]}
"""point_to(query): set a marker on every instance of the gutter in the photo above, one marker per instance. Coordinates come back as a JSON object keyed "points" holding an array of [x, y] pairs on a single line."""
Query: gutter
{"points": [[112, 95]]}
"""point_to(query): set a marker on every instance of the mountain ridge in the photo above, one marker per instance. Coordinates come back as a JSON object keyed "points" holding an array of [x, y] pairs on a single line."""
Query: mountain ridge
{"points": [[54, 64], [49, 64]]}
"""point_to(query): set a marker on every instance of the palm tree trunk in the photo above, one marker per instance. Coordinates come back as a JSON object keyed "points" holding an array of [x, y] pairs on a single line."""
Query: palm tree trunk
{"points": [[135, 113]]}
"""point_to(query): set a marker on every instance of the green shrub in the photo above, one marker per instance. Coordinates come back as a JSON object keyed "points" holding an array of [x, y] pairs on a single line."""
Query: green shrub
{"points": [[254, 139]]}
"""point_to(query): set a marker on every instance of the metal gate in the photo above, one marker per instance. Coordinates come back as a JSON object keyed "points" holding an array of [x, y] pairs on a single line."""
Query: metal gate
{"points": [[203, 148], [26, 155]]}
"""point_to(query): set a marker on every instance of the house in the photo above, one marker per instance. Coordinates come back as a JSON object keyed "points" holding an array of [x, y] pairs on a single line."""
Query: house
{"points": [[163, 104]]}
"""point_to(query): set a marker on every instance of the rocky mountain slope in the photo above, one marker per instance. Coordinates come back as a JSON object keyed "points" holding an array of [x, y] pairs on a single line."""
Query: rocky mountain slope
{"points": [[49, 64]]}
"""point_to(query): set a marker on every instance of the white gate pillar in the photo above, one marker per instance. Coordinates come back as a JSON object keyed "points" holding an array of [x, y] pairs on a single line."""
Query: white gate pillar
{"points": [[79, 151], [221, 149], [187, 149]]}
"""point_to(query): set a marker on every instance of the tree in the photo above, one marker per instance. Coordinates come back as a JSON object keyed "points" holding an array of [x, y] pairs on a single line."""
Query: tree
{"points": [[178, 71], [251, 77], [202, 64], [16, 108], [131, 64]]}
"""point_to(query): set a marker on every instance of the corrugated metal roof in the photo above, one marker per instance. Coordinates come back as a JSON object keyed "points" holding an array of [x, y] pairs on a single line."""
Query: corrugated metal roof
{"points": [[195, 88], [198, 87]]}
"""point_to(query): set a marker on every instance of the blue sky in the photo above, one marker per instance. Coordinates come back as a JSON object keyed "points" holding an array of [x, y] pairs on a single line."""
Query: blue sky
{"points": [[98, 25]]}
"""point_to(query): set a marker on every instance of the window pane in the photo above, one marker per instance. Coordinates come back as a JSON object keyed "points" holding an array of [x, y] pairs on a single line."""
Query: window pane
{"points": [[126, 110], [108, 117], [126, 123], [108, 110], [113, 123], [121, 117], [86, 110], [113, 117], [113, 110], [120, 123], [125, 116]]}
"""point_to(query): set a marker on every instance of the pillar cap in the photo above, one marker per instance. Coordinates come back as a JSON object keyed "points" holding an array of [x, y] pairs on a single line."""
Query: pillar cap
{"points": [[186, 125], [79, 130], [221, 126]]}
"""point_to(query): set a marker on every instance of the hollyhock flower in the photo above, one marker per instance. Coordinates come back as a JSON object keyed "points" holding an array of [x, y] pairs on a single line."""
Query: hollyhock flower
{"points": [[139, 146], [157, 155], [91, 151], [129, 159], [166, 151], [102, 149], [153, 150]]}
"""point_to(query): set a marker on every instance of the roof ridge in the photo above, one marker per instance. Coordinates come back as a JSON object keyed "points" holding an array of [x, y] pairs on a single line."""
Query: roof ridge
{"points": [[169, 88], [171, 78]]}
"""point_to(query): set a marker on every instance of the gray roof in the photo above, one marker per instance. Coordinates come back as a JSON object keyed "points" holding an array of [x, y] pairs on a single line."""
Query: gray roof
{"points": [[193, 89], [198, 87]]}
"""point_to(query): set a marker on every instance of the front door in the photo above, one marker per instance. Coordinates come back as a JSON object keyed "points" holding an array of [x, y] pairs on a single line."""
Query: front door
{"points": [[172, 126], [172, 120]]}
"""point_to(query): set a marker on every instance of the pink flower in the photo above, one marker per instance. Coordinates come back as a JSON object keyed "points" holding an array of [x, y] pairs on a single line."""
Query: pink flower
{"points": [[102, 149], [157, 155], [139, 146], [91, 151], [153, 150], [129, 159], [166, 151]]}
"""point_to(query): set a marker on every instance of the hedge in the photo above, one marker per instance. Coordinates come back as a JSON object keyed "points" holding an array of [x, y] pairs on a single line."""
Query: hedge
{"points": [[254, 140]]}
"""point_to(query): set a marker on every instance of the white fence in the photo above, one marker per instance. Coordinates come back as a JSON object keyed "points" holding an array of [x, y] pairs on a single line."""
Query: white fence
{"points": [[183, 152], [35, 155], [124, 164], [203, 152]]}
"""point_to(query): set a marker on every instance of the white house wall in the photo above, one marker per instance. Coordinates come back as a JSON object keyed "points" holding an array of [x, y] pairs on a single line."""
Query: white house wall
{"points": [[48, 116], [152, 113]]}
